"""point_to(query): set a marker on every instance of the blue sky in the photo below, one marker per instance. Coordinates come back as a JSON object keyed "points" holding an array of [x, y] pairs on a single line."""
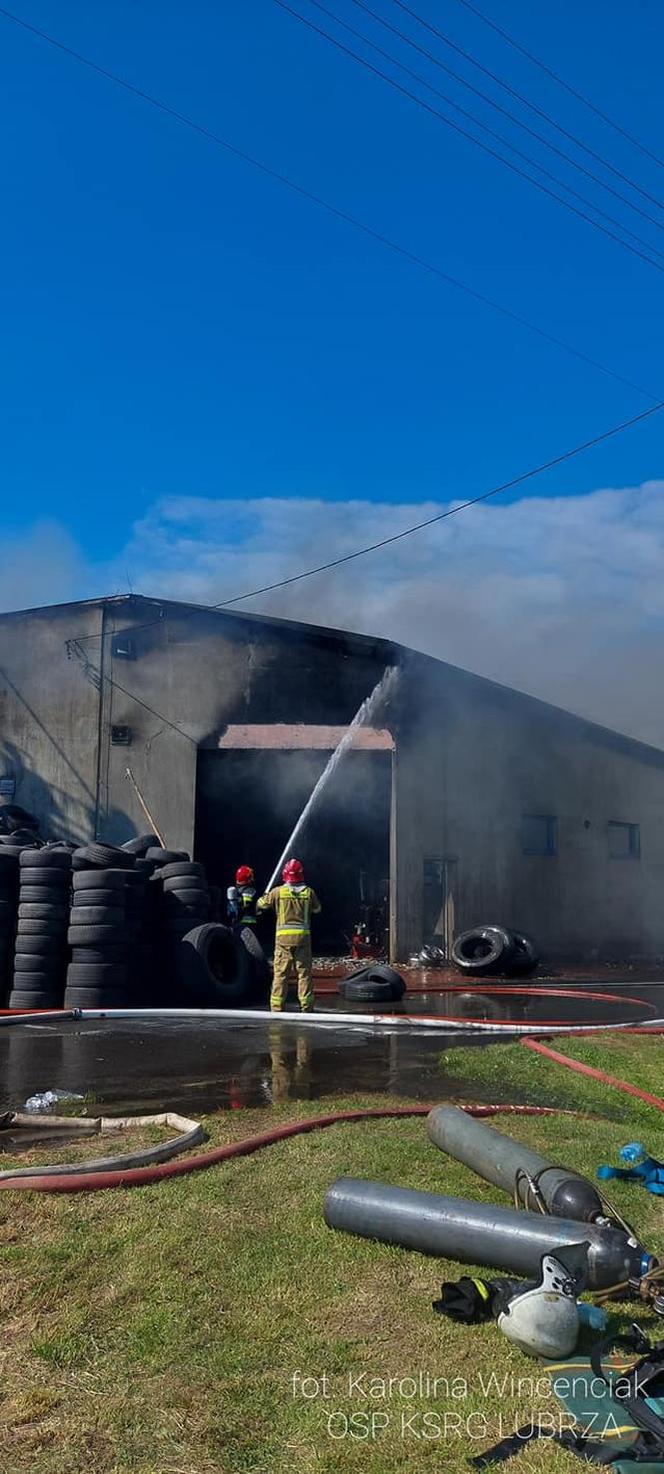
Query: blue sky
{"points": [[174, 324]]}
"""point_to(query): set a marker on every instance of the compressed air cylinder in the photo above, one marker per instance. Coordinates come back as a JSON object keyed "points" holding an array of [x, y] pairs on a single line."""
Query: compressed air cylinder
{"points": [[509, 1165], [477, 1233]]}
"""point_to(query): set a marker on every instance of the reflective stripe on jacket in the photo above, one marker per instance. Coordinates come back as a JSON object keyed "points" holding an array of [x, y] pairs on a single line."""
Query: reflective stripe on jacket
{"points": [[294, 905]]}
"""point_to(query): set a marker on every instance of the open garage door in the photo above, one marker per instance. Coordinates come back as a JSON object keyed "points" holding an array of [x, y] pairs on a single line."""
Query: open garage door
{"points": [[250, 792]]}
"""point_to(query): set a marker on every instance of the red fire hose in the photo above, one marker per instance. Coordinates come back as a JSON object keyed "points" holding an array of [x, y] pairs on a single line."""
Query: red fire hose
{"points": [[575, 1064], [141, 1176]]}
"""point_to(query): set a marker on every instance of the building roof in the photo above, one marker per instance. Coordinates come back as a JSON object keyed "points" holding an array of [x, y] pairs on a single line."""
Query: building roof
{"points": [[368, 645]]}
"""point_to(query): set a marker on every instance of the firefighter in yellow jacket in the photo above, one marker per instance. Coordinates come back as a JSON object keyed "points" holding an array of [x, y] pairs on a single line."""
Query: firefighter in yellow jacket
{"points": [[295, 903]]}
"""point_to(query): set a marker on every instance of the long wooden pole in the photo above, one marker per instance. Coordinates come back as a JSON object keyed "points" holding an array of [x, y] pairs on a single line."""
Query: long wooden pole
{"points": [[145, 808]]}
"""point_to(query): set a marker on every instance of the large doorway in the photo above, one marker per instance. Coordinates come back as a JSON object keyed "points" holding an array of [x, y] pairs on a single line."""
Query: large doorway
{"points": [[249, 798]]}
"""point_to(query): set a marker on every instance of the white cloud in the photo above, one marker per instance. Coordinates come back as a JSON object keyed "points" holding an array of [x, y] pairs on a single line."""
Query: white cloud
{"points": [[561, 597]]}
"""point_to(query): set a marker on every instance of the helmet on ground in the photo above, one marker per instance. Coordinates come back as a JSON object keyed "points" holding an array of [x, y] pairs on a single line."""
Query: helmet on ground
{"points": [[293, 872], [544, 1320], [244, 875]]}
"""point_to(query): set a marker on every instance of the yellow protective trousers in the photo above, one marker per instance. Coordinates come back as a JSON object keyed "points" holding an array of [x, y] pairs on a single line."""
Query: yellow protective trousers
{"points": [[292, 955]]}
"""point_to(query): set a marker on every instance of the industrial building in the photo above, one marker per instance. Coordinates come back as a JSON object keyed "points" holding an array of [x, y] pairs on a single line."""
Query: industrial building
{"points": [[460, 801]]}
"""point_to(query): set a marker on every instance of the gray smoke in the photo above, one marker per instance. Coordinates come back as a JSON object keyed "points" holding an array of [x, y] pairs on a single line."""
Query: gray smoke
{"points": [[560, 597]]}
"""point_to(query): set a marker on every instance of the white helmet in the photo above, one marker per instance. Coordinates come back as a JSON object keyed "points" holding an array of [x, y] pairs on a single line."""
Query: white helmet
{"points": [[544, 1320]]}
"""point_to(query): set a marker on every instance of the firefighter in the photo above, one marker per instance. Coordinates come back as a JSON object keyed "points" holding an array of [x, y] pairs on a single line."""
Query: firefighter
{"points": [[242, 897], [295, 903]]}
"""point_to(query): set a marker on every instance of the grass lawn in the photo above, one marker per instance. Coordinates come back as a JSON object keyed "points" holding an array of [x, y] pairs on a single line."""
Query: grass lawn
{"points": [[161, 1330]]}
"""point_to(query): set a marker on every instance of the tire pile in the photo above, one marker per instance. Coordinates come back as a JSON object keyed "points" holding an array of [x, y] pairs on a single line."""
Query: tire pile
{"points": [[487, 950], [40, 955], [105, 928], [9, 873]]}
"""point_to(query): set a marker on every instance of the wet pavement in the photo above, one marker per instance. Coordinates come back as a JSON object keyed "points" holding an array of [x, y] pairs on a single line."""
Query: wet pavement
{"points": [[199, 1065]]}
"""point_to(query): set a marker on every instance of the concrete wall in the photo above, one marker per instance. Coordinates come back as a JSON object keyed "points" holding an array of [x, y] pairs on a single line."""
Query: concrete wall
{"points": [[470, 759]]}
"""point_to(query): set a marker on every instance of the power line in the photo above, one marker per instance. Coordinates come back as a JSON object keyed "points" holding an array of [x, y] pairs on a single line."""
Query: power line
{"points": [[384, 542], [500, 137], [413, 257], [447, 40], [518, 122], [396, 537], [449, 123], [555, 76]]}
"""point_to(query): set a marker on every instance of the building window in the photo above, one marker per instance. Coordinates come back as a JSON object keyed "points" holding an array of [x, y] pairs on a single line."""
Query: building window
{"points": [[624, 841], [539, 834]]}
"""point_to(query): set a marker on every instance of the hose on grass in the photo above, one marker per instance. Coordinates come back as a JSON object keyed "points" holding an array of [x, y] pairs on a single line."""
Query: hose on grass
{"points": [[95, 1181]]}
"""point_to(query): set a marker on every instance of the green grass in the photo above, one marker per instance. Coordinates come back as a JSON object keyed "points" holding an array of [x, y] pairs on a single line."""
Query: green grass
{"points": [[159, 1330]]}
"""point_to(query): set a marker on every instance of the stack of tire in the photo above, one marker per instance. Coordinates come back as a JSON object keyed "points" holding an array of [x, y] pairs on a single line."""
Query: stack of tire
{"points": [[40, 956], [8, 911], [182, 902], [103, 928], [487, 950]]}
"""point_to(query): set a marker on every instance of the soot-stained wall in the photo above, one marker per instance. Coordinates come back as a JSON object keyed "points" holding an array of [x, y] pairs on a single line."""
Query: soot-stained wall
{"points": [[471, 759]]}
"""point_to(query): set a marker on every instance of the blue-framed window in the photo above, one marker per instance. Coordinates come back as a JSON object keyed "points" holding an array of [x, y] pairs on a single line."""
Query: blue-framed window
{"points": [[539, 834]]}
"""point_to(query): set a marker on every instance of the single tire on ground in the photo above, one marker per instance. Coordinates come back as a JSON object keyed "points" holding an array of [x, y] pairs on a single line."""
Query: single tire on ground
{"points": [[483, 950], [214, 967], [526, 957], [364, 991]]}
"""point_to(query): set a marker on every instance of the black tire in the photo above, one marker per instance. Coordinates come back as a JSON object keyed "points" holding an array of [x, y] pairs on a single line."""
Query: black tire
{"points": [[97, 975], [379, 972], [364, 991], [93, 936], [166, 857], [189, 882], [140, 845], [43, 895], [46, 964], [262, 969], [48, 858], [86, 900], [484, 950], [14, 851], [42, 929], [214, 967], [526, 957], [101, 857], [105, 956], [182, 869], [186, 900], [59, 880], [31, 1002], [44, 912], [98, 998], [36, 946], [103, 880], [97, 916]]}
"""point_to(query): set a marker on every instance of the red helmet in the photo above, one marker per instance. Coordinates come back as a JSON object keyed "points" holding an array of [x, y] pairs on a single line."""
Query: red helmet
{"points": [[293, 872], [244, 875]]}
